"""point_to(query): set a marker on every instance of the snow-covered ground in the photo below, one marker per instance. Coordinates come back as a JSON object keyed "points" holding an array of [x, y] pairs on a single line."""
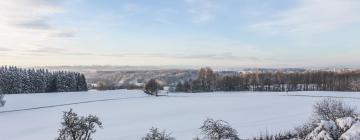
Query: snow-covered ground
{"points": [[128, 115]]}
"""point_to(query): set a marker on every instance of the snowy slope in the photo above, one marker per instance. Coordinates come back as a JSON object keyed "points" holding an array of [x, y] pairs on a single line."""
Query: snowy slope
{"points": [[129, 114]]}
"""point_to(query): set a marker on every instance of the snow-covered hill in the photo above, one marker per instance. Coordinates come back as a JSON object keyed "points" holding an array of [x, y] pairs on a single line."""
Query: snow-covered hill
{"points": [[127, 115]]}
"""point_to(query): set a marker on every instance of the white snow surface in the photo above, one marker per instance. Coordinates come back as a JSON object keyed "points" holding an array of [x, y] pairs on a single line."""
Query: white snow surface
{"points": [[353, 133], [131, 113], [345, 123]]}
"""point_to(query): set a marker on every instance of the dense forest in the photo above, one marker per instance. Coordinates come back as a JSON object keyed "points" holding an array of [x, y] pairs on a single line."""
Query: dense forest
{"points": [[208, 81], [14, 80]]}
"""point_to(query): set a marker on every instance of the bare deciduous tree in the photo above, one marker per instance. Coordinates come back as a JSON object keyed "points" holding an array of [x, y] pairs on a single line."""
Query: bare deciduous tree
{"points": [[332, 109], [218, 130], [78, 128], [156, 134], [152, 87]]}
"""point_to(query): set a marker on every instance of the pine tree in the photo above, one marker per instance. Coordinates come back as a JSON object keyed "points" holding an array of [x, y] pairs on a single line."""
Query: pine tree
{"points": [[2, 101], [15, 80]]}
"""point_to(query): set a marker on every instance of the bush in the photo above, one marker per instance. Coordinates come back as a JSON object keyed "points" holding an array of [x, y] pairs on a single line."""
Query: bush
{"points": [[279, 136], [78, 128], [305, 129], [332, 109], [2, 101], [155, 134], [218, 130]]}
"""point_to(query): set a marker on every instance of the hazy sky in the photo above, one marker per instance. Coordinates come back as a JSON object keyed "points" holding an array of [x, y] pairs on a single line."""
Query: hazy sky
{"points": [[244, 33]]}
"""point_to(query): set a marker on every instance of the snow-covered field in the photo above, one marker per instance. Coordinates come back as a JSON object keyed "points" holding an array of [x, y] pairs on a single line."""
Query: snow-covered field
{"points": [[128, 115]]}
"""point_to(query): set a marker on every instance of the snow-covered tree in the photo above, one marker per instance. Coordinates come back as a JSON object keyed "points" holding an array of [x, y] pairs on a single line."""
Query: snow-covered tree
{"points": [[78, 128], [332, 120], [15, 80], [2, 101], [332, 109], [218, 130], [156, 134], [347, 128]]}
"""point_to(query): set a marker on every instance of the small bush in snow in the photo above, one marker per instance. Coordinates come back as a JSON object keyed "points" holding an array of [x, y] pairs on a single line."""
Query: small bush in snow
{"points": [[332, 109], [218, 130], [155, 134], [305, 129], [2, 101], [279, 136], [78, 128]]}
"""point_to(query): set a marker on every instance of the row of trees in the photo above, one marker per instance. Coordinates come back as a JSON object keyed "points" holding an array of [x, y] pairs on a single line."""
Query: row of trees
{"points": [[208, 81], [14, 80]]}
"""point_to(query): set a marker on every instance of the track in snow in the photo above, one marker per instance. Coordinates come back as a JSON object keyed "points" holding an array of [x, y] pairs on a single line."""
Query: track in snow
{"points": [[112, 99], [67, 104], [340, 97]]}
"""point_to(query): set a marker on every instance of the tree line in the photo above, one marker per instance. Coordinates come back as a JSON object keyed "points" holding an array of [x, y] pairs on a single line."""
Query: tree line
{"points": [[14, 80], [208, 81]]}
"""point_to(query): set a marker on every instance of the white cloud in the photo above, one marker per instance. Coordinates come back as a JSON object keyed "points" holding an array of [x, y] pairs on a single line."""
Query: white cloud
{"points": [[312, 16], [27, 12], [26, 22], [131, 7], [202, 10]]}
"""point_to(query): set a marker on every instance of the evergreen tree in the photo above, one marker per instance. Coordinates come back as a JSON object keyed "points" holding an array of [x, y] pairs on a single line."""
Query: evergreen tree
{"points": [[15, 80], [2, 101]]}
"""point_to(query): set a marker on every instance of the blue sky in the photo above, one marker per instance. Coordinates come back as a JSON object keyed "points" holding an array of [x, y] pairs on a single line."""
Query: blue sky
{"points": [[231, 33]]}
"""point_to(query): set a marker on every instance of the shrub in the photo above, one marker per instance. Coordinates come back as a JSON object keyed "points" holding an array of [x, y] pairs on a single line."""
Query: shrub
{"points": [[305, 129], [2, 101], [155, 134], [279, 136]]}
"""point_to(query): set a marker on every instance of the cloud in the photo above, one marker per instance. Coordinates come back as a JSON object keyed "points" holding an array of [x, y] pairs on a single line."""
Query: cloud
{"points": [[312, 16], [28, 13], [201, 10], [64, 34], [216, 56], [4, 49], [46, 50], [29, 21], [35, 24], [204, 56]]}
